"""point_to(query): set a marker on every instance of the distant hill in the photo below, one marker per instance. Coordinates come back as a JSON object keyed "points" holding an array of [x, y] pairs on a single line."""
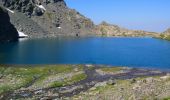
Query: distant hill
{"points": [[105, 29]]}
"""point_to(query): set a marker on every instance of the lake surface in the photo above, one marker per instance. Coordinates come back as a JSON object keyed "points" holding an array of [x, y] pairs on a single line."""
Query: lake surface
{"points": [[132, 52]]}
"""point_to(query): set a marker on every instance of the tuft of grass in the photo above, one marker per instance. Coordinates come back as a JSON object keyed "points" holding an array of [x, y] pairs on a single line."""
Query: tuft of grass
{"points": [[112, 69], [58, 84]]}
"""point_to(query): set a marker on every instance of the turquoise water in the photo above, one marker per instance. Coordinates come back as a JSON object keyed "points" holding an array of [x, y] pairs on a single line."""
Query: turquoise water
{"points": [[132, 52]]}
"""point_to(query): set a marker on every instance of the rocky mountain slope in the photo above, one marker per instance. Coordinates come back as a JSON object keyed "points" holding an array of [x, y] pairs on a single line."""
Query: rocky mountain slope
{"points": [[7, 30], [105, 29], [47, 18], [52, 18]]}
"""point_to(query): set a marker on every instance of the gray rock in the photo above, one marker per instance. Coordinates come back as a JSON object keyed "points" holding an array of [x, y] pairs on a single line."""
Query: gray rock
{"points": [[111, 82], [57, 20]]}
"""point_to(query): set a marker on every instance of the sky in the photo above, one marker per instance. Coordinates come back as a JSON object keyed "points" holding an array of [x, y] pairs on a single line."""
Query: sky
{"points": [[148, 15]]}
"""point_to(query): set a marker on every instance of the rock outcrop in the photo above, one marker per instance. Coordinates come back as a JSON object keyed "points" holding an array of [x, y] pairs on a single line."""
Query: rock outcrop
{"points": [[105, 29], [7, 30], [47, 18]]}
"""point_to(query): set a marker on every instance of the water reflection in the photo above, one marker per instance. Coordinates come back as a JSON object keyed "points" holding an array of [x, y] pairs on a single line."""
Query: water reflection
{"points": [[111, 51]]}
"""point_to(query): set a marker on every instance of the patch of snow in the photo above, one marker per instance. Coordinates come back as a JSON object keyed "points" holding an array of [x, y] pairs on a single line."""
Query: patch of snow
{"points": [[23, 39], [22, 35], [59, 27], [41, 6], [10, 10]]}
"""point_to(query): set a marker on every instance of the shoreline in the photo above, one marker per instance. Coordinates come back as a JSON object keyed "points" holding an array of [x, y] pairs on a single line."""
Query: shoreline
{"points": [[65, 81]]}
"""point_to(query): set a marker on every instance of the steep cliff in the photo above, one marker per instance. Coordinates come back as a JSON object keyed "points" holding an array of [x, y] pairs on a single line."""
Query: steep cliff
{"points": [[47, 18], [7, 30], [105, 29]]}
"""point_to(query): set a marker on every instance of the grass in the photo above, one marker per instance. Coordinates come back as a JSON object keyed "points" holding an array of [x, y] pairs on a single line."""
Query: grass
{"points": [[17, 77], [68, 81], [167, 98], [112, 69], [78, 77]]}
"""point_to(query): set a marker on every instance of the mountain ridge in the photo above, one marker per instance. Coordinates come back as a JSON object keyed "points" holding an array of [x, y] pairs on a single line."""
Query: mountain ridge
{"points": [[106, 29], [47, 18]]}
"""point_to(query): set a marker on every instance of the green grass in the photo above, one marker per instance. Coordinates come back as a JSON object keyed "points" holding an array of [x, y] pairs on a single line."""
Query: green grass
{"points": [[67, 81], [112, 69], [17, 77], [78, 77], [167, 98], [58, 84]]}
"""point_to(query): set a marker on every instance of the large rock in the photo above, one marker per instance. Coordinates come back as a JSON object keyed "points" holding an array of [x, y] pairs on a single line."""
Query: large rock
{"points": [[7, 30], [47, 18]]}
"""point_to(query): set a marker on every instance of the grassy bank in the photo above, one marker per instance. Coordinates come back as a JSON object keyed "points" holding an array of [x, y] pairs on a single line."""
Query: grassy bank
{"points": [[82, 82], [12, 78]]}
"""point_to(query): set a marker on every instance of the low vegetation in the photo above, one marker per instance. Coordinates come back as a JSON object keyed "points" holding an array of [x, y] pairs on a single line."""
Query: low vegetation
{"points": [[12, 78], [112, 69], [109, 83], [148, 88], [164, 36]]}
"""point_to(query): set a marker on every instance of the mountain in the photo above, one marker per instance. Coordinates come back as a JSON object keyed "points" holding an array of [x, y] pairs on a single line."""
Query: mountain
{"points": [[47, 18], [105, 29], [7, 30]]}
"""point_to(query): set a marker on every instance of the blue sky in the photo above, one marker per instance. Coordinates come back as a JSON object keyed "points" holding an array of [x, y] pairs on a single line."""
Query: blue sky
{"points": [[149, 15]]}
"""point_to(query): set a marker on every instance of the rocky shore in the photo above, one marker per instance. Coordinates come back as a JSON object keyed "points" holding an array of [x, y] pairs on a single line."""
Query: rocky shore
{"points": [[82, 82]]}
